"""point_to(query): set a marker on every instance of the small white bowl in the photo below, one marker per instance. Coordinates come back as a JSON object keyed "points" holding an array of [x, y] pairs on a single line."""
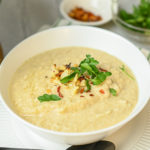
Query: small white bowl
{"points": [[76, 36], [97, 7]]}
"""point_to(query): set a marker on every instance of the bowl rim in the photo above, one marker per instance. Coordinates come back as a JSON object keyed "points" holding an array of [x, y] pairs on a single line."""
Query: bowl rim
{"points": [[77, 22], [130, 117]]}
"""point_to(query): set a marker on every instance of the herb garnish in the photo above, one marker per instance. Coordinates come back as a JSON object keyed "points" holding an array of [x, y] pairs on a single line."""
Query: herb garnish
{"points": [[88, 67], [87, 71], [101, 77], [139, 16], [113, 91], [68, 78], [88, 86], [47, 97], [124, 70]]}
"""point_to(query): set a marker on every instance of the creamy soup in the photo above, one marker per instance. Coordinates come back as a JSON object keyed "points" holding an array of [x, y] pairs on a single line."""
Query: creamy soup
{"points": [[74, 89]]}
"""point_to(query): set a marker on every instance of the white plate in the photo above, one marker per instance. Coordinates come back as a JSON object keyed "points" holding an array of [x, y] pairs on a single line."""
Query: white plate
{"points": [[133, 136]]}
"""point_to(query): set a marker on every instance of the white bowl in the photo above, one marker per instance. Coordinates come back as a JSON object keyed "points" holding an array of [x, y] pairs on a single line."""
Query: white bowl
{"points": [[76, 36], [97, 7]]}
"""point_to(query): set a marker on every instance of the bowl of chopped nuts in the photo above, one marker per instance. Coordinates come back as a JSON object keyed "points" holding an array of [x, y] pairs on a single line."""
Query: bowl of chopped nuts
{"points": [[87, 12]]}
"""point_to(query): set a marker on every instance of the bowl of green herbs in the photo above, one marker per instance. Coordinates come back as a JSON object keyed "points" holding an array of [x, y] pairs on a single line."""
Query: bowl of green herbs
{"points": [[133, 17]]}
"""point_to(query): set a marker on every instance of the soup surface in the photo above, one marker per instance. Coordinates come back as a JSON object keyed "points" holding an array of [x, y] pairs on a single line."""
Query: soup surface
{"points": [[74, 89]]}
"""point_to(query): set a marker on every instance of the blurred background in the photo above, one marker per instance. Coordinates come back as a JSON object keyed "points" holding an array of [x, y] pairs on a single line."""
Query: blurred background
{"points": [[22, 18]]}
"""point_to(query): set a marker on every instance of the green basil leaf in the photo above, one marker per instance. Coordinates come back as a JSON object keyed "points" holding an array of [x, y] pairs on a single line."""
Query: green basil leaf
{"points": [[107, 74], [77, 70], [94, 68], [47, 97], [89, 60], [88, 56], [87, 67], [93, 61], [88, 86], [82, 70], [68, 78], [113, 91], [99, 78]]}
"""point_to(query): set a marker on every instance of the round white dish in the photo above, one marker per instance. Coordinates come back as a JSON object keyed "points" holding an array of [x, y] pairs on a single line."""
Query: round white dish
{"points": [[76, 36], [97, 7]]}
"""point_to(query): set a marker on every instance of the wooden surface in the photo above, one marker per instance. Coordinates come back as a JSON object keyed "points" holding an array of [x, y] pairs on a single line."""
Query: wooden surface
{"points": [[21, 18]]}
